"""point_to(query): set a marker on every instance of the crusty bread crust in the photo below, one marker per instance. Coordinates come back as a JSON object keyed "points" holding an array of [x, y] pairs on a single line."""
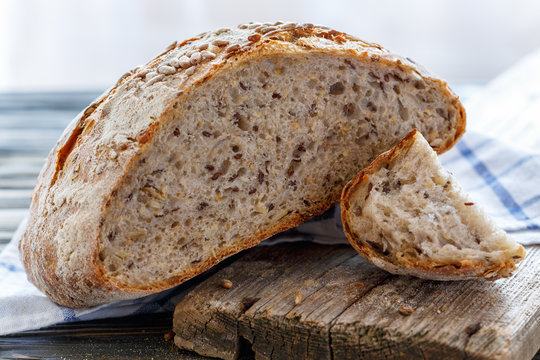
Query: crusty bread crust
{"points": [[69, 271], [425, 269]]}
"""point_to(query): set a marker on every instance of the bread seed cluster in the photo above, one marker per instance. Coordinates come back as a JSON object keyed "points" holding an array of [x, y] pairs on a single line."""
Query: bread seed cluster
{"points": [[187, 58]]}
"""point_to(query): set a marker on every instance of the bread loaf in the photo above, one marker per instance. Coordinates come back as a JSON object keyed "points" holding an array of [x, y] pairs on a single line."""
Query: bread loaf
{"points": [[407, 215], [216, 144]]}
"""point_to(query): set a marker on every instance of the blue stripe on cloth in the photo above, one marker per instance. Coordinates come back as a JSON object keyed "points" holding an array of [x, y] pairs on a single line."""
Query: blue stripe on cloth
{"points": [[516, 165], [155, 306], [500, 191], [531, 201], [69, 314], [507, 171], [459, 156], [11, 267], [529, 226]]}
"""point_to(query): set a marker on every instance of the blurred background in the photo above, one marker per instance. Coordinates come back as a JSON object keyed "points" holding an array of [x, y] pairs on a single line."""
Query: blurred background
{"points": [[86, 45]]}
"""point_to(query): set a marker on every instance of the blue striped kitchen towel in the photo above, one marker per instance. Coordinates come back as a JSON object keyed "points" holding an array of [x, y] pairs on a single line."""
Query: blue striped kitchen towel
{"points": [[502, 178]]}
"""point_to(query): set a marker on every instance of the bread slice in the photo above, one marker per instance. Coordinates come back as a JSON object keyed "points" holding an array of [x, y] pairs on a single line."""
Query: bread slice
{"points": [[213, 146], [407, 215]]}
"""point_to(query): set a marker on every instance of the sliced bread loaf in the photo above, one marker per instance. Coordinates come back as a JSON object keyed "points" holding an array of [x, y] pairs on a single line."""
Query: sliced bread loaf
{"points": [[407, 215], [213, 146]]}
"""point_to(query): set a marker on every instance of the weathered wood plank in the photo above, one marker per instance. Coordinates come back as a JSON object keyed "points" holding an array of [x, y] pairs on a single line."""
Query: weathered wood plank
{"points": [[60, 101], [13, 199], [10, 218], [18, 183], [352, 310], [137, 337]]}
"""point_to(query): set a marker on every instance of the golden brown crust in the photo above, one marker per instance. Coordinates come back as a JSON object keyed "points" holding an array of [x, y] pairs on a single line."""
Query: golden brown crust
{"points": [[425, 268], [60, 247]]}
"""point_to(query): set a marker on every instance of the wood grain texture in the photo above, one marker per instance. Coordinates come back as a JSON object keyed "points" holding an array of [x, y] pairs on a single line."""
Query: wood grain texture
{"points": [[352, 310], [136, 337]]}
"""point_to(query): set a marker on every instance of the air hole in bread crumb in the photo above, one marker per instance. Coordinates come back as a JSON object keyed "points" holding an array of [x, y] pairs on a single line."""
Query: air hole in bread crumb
{"points": [[419, 85], [403, 111], [337, 88], [241, 122], [225, 166]]}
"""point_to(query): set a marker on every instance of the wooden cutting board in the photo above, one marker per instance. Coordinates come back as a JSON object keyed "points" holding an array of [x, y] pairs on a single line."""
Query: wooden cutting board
{"points": [[305, 301]]}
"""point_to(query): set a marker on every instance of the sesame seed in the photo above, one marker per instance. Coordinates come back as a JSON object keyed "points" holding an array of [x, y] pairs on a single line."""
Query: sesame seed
{"points": [[253, 26], [155, 79], [208, 55], [190, 71], [203, 46], [221, 31], [184, 62], [195, 58], [214, 49], [406, 310], [175, 63], [254, 37], [220, 43], [298, 298], [150, 75], [233, 48], [166, 69], [113, 154], [226, 284], [288, 26], [143, 72], [307, 25], [242, 26], [267, 29]]}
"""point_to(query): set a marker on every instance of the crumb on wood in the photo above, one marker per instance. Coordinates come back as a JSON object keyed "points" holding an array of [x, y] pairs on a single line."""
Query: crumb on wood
{"points": [[406, 310], [359, 284], [298, 298], [226, 284], [168, 336]]}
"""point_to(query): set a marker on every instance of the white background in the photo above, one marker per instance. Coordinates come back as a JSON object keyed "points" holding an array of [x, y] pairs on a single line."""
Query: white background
{"points": [[87, 45]]}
